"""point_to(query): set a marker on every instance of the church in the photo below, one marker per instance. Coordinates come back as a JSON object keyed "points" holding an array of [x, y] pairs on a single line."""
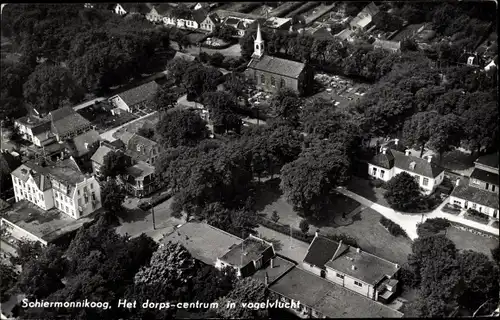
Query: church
{"points": [[272, 73]]}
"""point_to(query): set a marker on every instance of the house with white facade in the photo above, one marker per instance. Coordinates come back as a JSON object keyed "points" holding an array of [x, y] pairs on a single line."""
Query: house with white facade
{"points": [[364, 19], [136, 97], [61, 185], [210, 22], [35, 129], [480, 191], [352, 268], [389, 163]]}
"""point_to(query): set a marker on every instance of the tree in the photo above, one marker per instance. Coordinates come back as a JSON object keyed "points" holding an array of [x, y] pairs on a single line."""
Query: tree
{"points": [[446, 134], [216, 59], [164, 98], [180, 128], [49, 87], [224, 32], [431, 227], [114, 164], [246, 290], [198, 79], [221, 106], [495, 253], [27, 250], [304, 226], [146, 132], [8, 279], [176, 69], [481, 126], [210, 284], [418, 130], [275, 217], [112, 196], [403, 193], [285, 105]]}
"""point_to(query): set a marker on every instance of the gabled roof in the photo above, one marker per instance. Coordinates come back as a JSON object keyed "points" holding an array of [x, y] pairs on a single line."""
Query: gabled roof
{"points": [[199, 15], [232, 21], [252, 249], [80, 141], [490, 160], [214, 17], [100, 153], [140, 170], [278, 66], [65, 120], [8, 162], [476, 195], [402, 161], [486, 176], [321, 250], [139, 94], [383, 160]]}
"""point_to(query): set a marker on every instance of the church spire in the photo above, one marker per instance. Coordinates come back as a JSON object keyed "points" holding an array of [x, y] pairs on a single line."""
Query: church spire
{"points": [[258, 47]]}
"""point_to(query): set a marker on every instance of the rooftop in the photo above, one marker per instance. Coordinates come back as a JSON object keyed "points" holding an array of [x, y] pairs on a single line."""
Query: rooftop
{"points": [[485, 176], [83, 141], [139, 94], [476, 195], [46, 225], [98, 156], [279, 268], [204, 242], [490, 160], [66, 171], [368, 267], [400, 160], [249, 250], [65, 120], [31, 121], [332, 300], [320, 251], [278, 66], [387, 45], [275, 22], [344, 34], [140, 170]]}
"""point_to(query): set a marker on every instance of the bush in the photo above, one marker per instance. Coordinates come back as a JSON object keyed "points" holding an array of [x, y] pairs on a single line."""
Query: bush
{"points": [[216, 59], [403, 194], [304, 226], [204, 57], [432, 226], [393, 228], [285, 229], [346, 239], [161, 198]]}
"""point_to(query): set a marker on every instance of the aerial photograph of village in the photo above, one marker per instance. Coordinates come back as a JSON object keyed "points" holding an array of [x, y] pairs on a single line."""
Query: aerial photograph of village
{"points": [[249, 160]]}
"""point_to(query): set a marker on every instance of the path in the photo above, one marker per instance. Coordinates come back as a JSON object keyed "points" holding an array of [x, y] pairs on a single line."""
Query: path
{"points": [[288, 247], [87, 103], [409, 222], [108, 135]]}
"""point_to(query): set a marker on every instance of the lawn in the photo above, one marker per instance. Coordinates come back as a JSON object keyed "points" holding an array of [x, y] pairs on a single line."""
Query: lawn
{"points": [[465, 240]]}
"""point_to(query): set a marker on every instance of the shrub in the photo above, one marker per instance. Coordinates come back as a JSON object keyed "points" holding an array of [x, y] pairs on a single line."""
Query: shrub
{"points": [[285, 229], [403, 194], [377, 183], [346, 239], [393, 228], [304, 226], [432, 226], [216, 59], [156, 200], [204, 57]]}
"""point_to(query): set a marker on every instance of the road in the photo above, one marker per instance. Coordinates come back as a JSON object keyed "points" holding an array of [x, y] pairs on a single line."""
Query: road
{"points": [[409, 222]]}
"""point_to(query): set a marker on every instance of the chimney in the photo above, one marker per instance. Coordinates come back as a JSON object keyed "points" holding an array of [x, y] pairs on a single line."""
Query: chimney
{"points": [[407, 153], [429, 159], [266, 280], [358, 250], [384, 150], [457, 183], [86, 145], [396, 141], [272, 263], [316, 234], [353, 267]]}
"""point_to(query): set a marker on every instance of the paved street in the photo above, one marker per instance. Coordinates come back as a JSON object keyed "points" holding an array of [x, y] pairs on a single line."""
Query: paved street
{"points": [[409, 222]]}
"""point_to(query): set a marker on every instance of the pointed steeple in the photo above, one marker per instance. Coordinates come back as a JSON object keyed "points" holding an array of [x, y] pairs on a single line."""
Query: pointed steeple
{"points": [[258, 38], [258, 46]]}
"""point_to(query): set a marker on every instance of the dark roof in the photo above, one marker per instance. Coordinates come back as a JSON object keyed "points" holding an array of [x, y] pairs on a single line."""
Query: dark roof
{"points": [[199, 15], [31, 121], [485, 176], [43, 128], [320, 251], [139, 94], [383, 160], [214, 17], [232, 22], [368, 267], [331, 300], [280, 267], [163, 9], [8, 162], [490, 160], [476, 195], [249, 250], [323, 34], [278, 66], [66, 119]]}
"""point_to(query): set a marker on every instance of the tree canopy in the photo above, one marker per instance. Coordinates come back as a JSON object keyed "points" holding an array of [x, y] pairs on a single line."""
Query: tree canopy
{"points": [[180, 128], [403, 193]]}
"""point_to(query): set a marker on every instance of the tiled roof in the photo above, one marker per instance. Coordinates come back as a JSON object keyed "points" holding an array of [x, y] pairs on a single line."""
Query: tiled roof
{"points": [[98, 156], [249, 250], [232, 22], [278, 66], [383, 160], [490, 160], [402, 161], [344, 34], [163, 9], [199, 15], [139, 94], [485, 176], [476, 195], [65, 120], [321, 250], [88, 137], [367, 267]]}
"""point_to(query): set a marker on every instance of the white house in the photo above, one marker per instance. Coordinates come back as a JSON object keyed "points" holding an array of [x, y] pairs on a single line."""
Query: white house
{"points": [[210, 22], [390, 162], [36, 130], [118, 9], [61, 185], [480, 192], [135, 97]]}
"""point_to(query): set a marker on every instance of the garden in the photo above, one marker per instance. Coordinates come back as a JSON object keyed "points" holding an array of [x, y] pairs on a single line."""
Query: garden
{"points": [[476, 216]]}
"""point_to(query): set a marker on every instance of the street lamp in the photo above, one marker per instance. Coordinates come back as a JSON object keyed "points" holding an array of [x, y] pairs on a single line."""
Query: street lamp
{"points": [[153, 214]]}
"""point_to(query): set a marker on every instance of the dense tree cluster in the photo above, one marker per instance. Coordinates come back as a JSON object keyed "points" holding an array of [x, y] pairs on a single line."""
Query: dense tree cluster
{"points": [[403, 193], [114, 164], [8, 279], [177, 128], [447, 278]]}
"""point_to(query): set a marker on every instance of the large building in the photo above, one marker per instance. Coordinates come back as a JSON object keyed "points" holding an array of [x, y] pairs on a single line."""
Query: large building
{"points": [[61, 185], [390, 162], [272, 73], [480, 192]]}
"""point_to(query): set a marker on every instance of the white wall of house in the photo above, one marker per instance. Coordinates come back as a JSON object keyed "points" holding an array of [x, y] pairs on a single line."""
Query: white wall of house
{"points": [[380, 173], [19, 233], [311, 268], [119, 10], [119, 103], [207, 24], [169, 20], [29, 190], [350, 283], [87, 197], [491, 212], [26, 133]]}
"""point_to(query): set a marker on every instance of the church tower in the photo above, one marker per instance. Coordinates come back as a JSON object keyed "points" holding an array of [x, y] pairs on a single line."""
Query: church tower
{"points": [[258, 44]]}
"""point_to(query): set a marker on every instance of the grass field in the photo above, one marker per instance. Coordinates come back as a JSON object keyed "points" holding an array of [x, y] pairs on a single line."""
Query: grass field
{"points": [[465, 240]]}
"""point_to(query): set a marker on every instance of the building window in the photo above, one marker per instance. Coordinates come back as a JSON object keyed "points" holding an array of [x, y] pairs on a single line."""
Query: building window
{"points": [[359, 284], [273, 82], [492, 187], [474, 181], [382, 173], [91, 185], [79, 201], [65, 209], [425, 182], [282, 84], [41, 196], [93, 196], [457, 202], [473, 206], [262, 79], [78, 191], [57, 204], [374, 171], [341, 276]]}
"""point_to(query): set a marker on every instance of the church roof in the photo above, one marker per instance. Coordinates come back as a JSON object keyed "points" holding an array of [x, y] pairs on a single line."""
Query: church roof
{"points": [[278, 66]]}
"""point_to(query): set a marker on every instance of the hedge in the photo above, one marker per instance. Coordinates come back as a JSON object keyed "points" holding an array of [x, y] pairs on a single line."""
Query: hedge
{"points": [[161, 198], [393, 228], [432, 226], [297, 234]]}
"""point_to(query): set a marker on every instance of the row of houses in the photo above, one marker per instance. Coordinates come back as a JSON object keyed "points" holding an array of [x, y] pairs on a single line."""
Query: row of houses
{"points": [[334, 280]]}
